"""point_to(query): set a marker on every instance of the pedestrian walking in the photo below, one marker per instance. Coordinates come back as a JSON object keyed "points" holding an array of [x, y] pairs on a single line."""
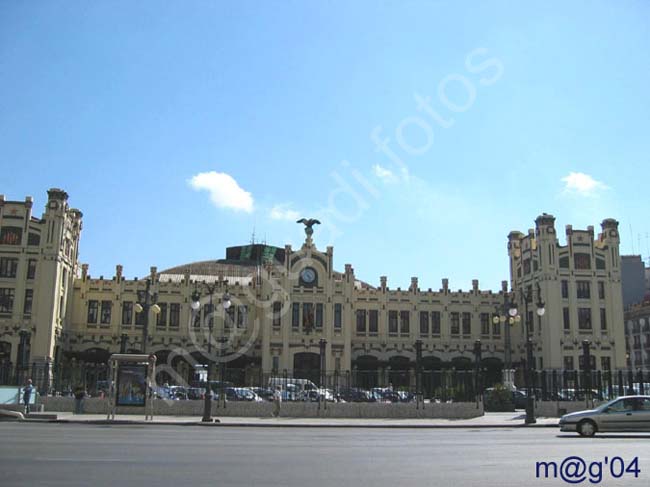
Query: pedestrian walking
{"points": [[27, 395], [277, 401], [79, 394]]}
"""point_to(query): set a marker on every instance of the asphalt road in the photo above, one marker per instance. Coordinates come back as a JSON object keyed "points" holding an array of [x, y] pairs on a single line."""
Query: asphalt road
{"points": [[83, 455]]}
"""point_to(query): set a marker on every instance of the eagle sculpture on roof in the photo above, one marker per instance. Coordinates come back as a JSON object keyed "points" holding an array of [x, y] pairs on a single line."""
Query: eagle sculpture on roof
{"points": [[309, 223]]}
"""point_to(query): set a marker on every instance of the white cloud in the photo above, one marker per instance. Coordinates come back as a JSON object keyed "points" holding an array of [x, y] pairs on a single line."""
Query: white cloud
{"points": [[582, 184], [386, 175], [284, 212], [224, 191]]}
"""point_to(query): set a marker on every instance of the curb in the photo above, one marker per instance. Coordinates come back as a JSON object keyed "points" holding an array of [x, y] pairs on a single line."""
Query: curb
{"points": [[126, 422]]}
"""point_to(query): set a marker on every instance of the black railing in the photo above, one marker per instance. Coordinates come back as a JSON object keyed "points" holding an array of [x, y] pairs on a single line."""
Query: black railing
{"points": [[387, 385]]}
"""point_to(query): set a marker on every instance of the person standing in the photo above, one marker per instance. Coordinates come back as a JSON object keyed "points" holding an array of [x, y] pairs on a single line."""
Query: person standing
{"points": [[277, 401], [27, 395], [79, 394]]}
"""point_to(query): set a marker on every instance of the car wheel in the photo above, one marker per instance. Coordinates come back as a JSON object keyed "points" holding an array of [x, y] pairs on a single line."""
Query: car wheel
{"points": [[587, 428]]}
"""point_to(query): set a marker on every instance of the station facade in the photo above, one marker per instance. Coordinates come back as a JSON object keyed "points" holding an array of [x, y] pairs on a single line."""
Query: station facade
{"points": [[292, 312]]}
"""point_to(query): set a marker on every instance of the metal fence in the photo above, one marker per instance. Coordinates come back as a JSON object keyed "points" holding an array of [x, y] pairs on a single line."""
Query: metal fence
{"points": [[442, 385], [576, 385]]}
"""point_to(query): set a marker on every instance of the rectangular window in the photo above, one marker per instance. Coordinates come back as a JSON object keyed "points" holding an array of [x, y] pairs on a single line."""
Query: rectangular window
{"points": [[29, 299], [295, 315], [405, 326], [307, 316], [583, 289], [485, 324], [605, 363], [139, 317], [276, 363], [455, 324], [93, 306], [230, 317], [435, 323], [127, 313], [11, 235], [568, 363], [601, 290], [565, 289], [31, 269], [603, 320], [6, 300], [584, 318], [338, 316], [174, 315], [373, 325], [161, 320], [424, 323], [105, 318], [361, 322], [582, 261], [277, 314], [496, 328], [392, 322], [566, 316], [242, 316], [467, 324], [319, 315], [8, 267]]}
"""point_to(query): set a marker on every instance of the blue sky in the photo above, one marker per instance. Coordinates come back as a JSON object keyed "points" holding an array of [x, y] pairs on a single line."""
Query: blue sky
{"points": [[178, 128]]}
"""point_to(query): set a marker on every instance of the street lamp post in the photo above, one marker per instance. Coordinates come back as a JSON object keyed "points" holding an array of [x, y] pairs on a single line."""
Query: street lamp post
{"points": [[418, 374], [150, 299], [322, 344], [530, 360], [477, 370], [196, 306], [507, 317]]}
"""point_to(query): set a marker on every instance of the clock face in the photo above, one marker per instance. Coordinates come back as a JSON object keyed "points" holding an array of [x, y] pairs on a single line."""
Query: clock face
{"points": [[308, 275]]}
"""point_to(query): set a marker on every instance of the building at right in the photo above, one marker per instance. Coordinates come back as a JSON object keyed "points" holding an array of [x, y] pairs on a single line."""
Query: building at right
{"points": [[578, 287]]}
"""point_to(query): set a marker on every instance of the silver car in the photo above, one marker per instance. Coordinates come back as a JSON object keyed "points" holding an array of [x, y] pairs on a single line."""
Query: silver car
{"points": [[625, 413]]}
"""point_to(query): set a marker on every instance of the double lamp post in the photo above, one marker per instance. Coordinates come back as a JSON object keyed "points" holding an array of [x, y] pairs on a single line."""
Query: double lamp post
{"points": [[507, 317], [196, 307]]}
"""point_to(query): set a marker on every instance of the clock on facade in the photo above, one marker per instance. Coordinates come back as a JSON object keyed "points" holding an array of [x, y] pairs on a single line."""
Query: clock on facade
{"points": [[308, 275]]}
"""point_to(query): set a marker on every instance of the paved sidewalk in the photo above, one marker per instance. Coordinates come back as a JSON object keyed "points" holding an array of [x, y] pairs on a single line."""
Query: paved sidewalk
{"points": [[490, 420]]}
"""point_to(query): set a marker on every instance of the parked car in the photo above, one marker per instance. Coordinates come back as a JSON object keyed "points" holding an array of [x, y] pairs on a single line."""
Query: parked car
{"points": [[177, 393], [626, 413], [519, 398], [264, 393], [241, 394], [315, 395], [196, 393], [353, 394]]}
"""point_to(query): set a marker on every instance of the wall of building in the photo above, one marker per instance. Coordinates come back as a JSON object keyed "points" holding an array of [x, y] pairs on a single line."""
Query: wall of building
{"points": [[44, 252], [637, 336], [580, 285], [632, 279], [283, 312]]}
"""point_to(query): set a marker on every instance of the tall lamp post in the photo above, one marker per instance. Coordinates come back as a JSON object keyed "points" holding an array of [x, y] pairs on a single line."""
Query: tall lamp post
{"points": [[196, 306], [530, 364], [149, 304], [507, 316]]}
